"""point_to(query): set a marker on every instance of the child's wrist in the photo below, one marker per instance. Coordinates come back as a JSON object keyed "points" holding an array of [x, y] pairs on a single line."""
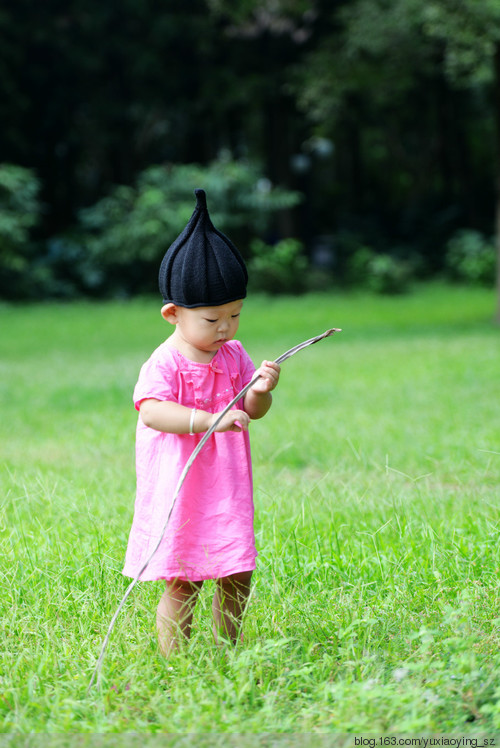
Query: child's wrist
{"points": [[258, 393], [199, 421]]}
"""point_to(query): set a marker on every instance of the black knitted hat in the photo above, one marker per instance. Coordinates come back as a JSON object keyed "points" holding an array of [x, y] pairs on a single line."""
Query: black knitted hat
{"points": [[202, 267]]}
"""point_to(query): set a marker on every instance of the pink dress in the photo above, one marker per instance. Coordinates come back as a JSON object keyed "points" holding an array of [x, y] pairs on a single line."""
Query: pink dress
{"points": [[210, 533]]}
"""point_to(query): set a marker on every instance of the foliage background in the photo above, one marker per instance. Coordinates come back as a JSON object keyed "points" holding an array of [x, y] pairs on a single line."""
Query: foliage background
{"points": [[382, 114]]}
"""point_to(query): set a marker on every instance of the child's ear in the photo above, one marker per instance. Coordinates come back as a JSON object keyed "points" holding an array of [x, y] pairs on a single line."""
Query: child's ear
{"points": [[169, 313]]}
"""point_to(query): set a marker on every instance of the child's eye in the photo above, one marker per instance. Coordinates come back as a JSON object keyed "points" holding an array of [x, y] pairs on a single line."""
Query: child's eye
{"points": [[210, 320], [235, 315]]}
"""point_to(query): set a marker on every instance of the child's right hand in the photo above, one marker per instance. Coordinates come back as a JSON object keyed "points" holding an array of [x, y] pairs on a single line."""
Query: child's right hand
{"points": [[234, 420]]}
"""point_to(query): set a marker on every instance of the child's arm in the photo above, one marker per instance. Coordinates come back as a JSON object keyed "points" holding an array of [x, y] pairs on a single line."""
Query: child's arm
{"points": [[258, 398], [164, 415], [173, 418]]}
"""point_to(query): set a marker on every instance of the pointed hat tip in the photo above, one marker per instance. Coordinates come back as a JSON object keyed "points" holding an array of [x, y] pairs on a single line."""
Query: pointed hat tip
{"points": [[201, 198]]}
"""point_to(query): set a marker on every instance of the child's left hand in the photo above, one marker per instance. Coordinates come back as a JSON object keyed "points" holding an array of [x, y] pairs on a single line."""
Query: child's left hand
{"points": [[269, 377]]}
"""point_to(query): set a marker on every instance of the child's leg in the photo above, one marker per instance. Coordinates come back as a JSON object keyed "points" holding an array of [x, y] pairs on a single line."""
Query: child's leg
{"points": [[231, 595], [175, 613]]}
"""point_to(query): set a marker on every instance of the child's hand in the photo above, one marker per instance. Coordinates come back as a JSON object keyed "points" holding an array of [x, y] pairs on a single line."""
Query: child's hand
{"points": [[269, 377], [234, 420]]}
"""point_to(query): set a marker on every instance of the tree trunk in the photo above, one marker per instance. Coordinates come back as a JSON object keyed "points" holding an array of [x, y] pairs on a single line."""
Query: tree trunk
{"points": [[497, 209]]}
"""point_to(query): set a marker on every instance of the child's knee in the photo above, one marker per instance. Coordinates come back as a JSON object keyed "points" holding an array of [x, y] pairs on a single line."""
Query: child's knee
{"points": [[240, 580], [182, 588]]}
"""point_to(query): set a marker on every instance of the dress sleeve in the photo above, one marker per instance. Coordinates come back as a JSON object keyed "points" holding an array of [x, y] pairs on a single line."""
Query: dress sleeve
{"points": [[247, 367], [156, 380]]}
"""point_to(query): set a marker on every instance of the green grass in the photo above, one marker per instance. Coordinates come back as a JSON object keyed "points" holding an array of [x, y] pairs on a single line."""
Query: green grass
{"points": [[376, 600]]}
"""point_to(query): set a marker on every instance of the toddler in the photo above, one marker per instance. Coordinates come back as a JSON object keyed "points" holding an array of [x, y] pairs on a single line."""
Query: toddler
{"points": [[190, 378]]}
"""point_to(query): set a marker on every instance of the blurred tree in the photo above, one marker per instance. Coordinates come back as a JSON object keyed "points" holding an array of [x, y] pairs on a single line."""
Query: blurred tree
{"points": [[380, 110], [19, 213], [430, 71], [92, 93], [264, 39], [404, 138], [127, 232], [470, 34]]}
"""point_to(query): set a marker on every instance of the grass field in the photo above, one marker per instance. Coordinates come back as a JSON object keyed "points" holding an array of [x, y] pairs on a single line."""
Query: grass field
{"points": [[375, 607]]}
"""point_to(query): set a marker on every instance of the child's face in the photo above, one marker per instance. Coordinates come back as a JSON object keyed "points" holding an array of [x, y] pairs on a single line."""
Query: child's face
{"points": [[206, 328]]}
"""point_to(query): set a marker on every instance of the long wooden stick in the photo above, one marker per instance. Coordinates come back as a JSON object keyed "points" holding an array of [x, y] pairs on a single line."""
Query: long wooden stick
{"points": [[194, 454]]}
